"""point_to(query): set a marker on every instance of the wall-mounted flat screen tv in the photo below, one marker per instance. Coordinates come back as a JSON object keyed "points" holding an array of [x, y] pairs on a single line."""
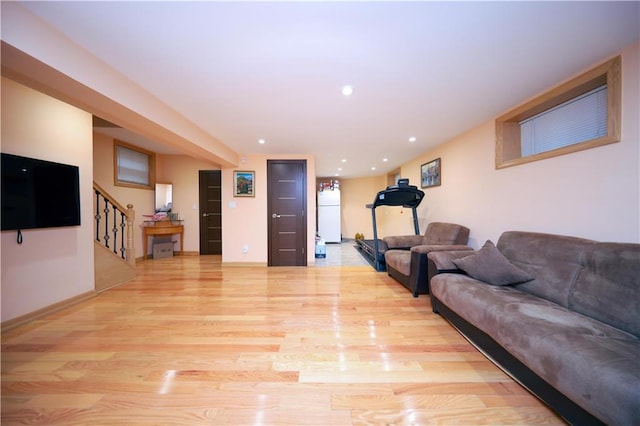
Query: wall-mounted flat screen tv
{"points": [[38, 193]]}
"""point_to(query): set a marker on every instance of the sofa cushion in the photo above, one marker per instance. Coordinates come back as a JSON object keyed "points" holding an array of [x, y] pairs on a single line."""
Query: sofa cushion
{"points": [[554, 260], [592, 363], [400, 260], [490, 266], [608, 287], [445, 233]]}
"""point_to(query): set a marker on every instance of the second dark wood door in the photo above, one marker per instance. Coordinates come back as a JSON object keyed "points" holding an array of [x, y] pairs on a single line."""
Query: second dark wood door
{"points": [[286, 208], [210, 212]]}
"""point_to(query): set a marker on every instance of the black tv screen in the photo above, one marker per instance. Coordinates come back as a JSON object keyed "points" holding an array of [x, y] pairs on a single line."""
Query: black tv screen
{"points": [[38, 193]]}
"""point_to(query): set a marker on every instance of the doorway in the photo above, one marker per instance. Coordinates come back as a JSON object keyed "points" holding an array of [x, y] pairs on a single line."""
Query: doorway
{"points": [[210, 190], [286, 210]]}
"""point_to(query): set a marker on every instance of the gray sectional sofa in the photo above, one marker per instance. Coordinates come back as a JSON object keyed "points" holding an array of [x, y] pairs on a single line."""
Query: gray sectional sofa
{"points": [[560, 314]]}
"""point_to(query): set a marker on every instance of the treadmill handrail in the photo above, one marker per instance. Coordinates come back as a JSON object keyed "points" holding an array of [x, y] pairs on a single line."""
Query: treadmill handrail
{"points": [[405, 196]]}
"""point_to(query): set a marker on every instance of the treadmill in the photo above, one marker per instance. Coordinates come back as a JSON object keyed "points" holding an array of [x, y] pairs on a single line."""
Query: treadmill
{"points": [[402, 194]]}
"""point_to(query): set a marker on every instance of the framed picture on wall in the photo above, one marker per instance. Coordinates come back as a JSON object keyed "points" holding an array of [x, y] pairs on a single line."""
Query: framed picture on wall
{"points": [[430, 174], [244, 183]]}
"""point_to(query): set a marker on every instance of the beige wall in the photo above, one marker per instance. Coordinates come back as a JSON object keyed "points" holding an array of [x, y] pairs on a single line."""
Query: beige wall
{"points": [[183, 173], [246, 223], [593, 193], [51, 264], [355, 194]]}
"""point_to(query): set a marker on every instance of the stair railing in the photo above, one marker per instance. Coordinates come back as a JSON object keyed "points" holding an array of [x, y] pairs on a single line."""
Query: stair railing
{"points": [[112, 222]]}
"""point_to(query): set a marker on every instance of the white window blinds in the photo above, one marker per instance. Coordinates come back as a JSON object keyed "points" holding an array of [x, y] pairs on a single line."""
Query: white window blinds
{"points": [[133, 166], [577, 120]]}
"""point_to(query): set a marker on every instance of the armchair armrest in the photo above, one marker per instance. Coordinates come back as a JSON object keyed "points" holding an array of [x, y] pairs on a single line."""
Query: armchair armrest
{"points": [[422, 269], [404, 242], [443, 260], [432, 248]]}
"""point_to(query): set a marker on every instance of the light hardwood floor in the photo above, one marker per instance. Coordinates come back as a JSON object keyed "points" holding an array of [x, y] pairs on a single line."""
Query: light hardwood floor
{"points": [[191, 342]]}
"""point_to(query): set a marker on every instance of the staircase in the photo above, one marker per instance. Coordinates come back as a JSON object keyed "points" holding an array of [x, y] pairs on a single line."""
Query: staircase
{"points": [[113, 249]]}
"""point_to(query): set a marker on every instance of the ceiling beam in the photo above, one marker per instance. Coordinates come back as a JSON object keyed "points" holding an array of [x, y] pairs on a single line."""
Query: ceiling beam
{"points": [[36, 55]]}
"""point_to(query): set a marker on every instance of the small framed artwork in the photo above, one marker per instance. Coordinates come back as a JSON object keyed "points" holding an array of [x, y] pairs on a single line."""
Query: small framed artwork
{"points": [[430, 174], [244, 183]]}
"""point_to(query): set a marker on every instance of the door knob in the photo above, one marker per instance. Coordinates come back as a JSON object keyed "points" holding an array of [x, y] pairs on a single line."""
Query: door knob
{"points": [[275, 216]]}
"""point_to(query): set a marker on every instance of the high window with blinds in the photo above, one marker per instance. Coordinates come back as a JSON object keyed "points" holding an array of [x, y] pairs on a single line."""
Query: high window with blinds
{"points": [[580, 119], [133, 166], [580, 114]]}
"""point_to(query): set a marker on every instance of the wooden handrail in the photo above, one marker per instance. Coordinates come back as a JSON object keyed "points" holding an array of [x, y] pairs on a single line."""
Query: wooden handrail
{"points": [[128, 248], [109, 197]]}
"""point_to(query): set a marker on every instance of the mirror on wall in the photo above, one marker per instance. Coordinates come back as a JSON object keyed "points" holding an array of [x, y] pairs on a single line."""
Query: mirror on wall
{"points": [[164, 197]]}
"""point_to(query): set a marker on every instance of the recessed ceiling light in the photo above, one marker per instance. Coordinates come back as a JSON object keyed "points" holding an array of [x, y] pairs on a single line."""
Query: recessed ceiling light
{"points": [[373, 168], [384, 160], [347, 90], [344, 160], [261, 141], [339, 169], [337, 174], [412, 139]]}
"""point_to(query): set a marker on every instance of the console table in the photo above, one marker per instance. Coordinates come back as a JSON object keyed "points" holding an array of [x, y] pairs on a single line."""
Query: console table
{"points": [[161, 227]]}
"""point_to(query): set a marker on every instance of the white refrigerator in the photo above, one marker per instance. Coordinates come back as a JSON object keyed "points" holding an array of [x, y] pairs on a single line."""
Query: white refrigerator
{"points": [[329, 215]]}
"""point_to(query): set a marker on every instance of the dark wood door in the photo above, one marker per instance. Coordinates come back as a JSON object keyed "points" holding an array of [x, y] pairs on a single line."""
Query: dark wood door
{"points": [[286, 209], [210, 212]]}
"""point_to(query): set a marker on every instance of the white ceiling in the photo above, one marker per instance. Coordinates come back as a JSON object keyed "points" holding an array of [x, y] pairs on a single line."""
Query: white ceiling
{"points": [[433, 70]]}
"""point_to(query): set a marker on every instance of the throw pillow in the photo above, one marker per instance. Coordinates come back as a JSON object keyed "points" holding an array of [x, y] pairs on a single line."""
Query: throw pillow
{"points": [[490, 266]]}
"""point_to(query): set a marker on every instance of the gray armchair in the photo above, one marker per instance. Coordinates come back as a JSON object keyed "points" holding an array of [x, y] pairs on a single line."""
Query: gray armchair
{"points": [[406, 255]]}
